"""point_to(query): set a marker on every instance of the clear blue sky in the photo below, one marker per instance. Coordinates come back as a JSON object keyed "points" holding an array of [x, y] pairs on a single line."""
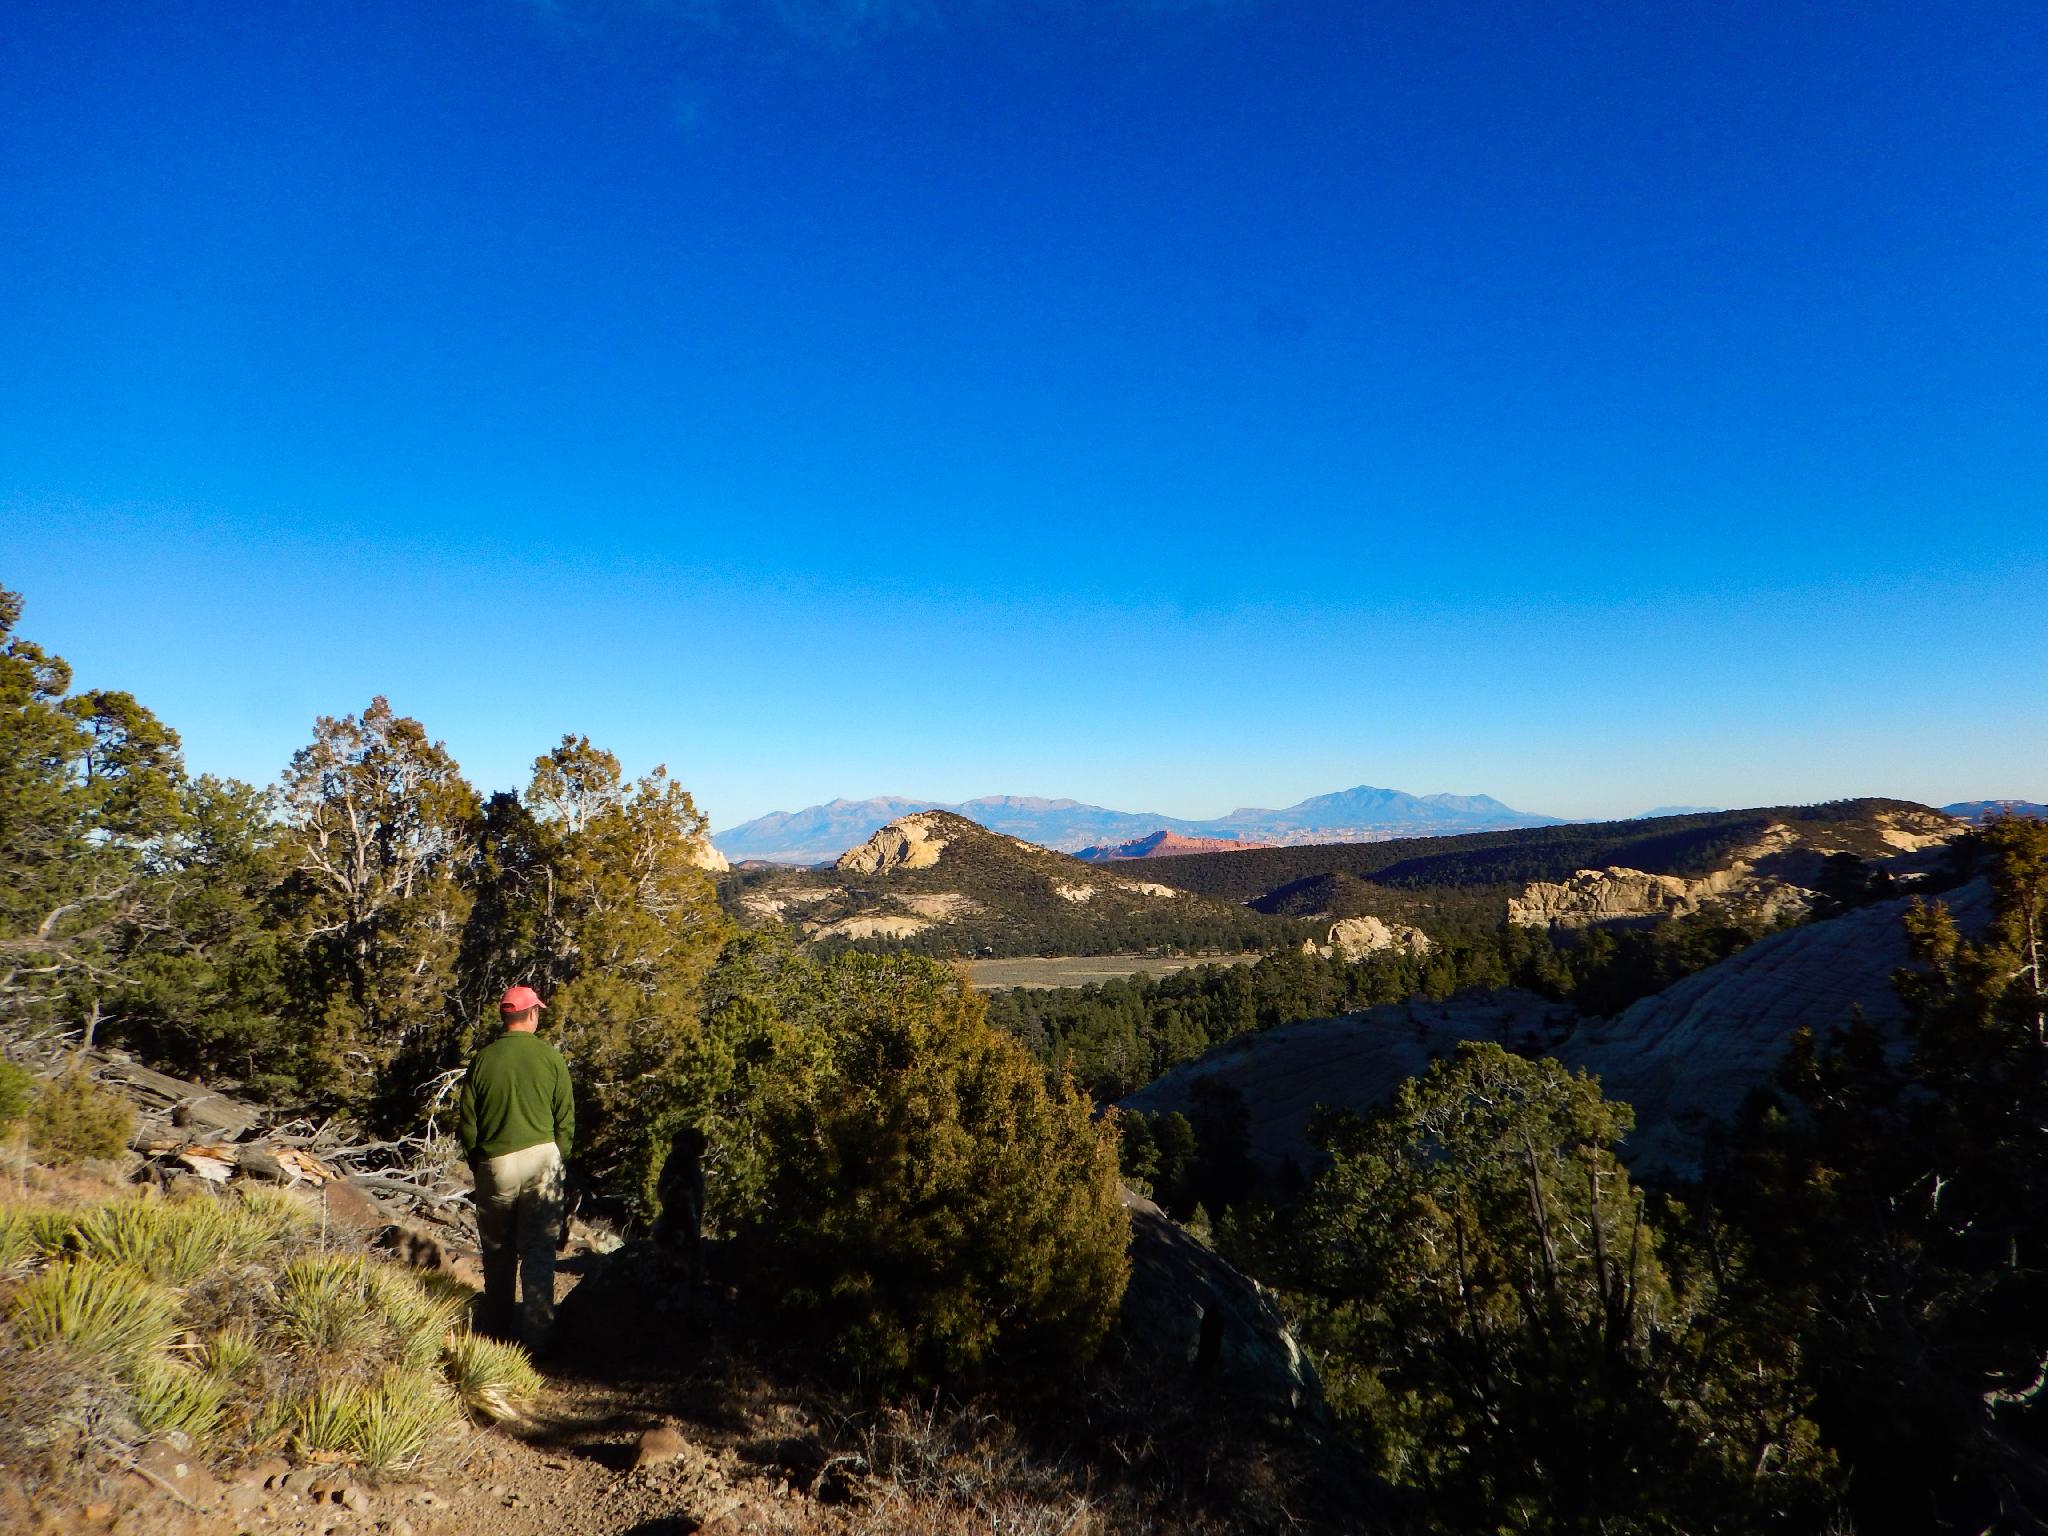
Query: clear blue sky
{"points": [[1177, 405]]}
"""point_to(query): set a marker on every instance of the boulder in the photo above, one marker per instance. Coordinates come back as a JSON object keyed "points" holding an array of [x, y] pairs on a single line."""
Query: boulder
{"points": [[1358, 936], [1188, 1314]]}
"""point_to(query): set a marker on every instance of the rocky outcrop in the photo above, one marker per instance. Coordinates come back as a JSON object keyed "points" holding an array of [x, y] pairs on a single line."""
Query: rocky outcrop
{"points": [[704, 856], [1355, 937], [782, 899], [1775, 877], [1187, 1313], [1757, 880], [1689, 1055], [872, 926], [939, 906], [909, 842], [1614, 895], [1351, 1062], [1684, 1058], [1080, 895]]}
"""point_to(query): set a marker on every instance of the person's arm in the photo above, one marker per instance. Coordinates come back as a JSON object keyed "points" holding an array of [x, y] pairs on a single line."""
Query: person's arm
{"points": [[465, 1113], [565, 1108]]}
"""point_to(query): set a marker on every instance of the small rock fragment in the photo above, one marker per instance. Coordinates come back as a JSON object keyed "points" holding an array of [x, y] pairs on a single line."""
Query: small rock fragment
{"points": [[658, 1445]]}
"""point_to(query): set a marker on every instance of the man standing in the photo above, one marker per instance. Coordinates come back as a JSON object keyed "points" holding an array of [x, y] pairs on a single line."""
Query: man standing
{"points": [[517, 1121]]}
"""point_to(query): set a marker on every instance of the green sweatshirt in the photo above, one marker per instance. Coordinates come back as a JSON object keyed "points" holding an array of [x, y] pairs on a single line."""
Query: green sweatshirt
{"points": [[516, 1096]]}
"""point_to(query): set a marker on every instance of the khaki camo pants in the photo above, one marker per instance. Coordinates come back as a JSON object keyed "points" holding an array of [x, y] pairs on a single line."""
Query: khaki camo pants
{"points": [[518, 1221]]}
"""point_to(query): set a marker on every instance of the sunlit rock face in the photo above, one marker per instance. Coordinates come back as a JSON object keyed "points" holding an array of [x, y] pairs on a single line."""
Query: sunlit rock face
{"points": [[1684, 1059], [910, 842]]}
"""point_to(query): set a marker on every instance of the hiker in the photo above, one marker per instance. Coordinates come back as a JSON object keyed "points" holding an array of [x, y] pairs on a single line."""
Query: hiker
{"points": [[517, 1120]]}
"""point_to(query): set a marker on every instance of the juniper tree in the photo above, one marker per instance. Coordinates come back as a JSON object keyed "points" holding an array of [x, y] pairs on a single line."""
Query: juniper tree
{"points": [[377, 821]]}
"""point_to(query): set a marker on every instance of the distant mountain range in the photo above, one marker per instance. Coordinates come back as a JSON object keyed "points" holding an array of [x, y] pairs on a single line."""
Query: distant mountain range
{"points": [[821, 833], [1985, 810]]}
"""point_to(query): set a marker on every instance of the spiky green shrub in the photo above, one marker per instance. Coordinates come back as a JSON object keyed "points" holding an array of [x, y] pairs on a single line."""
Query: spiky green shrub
{"points": [[73, 1118], [417, 1320], [231, 1354], [344, 1304], [383, 1427], [259, 1220], [50, 1227], [495, 1380], [173, 1241], [98, 1311], [16, 1241], [172, 1397], [327, 1304]]}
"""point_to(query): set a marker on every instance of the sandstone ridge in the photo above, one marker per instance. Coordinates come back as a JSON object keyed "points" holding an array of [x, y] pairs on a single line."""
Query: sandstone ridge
{"points": [[909, 842]]}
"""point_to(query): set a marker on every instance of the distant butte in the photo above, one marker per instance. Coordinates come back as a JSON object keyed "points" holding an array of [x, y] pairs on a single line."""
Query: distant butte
{"points": [[1163, 845]]}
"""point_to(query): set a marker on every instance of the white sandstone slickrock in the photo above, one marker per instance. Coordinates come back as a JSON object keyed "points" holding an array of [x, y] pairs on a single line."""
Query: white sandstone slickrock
{"points": [[909, 842], [1359, 936], [1684, 1058]]}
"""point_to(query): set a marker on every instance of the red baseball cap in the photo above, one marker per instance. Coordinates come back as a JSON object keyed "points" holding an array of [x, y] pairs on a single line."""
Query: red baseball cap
{"points": [[519, 999]]}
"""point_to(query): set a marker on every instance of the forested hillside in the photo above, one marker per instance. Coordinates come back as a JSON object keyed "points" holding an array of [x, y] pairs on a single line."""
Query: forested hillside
{"points": [[1465, 881], [986, 894]]}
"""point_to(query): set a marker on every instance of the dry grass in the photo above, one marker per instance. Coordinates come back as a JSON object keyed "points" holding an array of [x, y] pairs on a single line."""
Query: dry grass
{"points": [[932, 1470]]}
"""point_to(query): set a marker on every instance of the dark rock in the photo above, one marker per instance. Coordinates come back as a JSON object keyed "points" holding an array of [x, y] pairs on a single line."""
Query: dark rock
{"points": [[1189, 1313]]}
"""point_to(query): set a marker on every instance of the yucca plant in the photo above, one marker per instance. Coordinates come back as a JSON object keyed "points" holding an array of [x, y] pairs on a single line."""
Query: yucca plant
{"points": [[418, 1318], [495, 1380], [174, 1241], [259, 1220], [382, 1427], [172, 1397], [98, 1311], [37, 1229], [16, 1241], [230, 1354], [327, 1303]]}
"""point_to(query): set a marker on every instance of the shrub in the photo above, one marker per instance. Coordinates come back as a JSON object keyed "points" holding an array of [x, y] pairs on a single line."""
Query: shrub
{"points": [[383, 1427], [495, 1380], [73, 1118], [231, 1354], [17, 1086], [897, 1174], [417, 1319], [99, 1311], [337, 1305], [326, 1304], [171, 1397], [172, 1241], [261, 1219]]}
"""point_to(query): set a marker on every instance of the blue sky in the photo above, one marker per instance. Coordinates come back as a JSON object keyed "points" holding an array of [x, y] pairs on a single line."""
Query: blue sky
{"points": [[1178, 404]]}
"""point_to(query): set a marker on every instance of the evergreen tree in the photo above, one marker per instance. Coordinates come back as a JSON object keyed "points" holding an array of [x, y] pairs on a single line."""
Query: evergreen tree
{"points": [[898, 1178], [1898, 1212], [89, 790], [377, 827], [624, 926], [1500, 1326]]}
